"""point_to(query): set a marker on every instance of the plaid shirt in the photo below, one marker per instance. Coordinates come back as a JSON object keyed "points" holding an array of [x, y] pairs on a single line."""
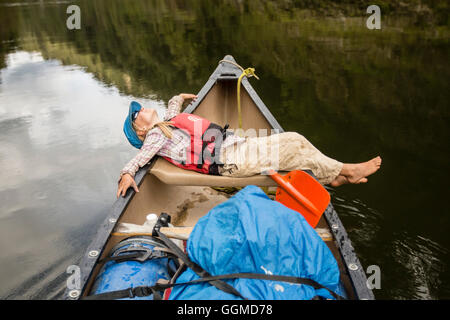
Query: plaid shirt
{"points": [[156, 143]]}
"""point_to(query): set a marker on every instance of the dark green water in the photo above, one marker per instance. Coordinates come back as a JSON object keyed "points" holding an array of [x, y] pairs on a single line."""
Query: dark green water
{"points": [[354, 93]]}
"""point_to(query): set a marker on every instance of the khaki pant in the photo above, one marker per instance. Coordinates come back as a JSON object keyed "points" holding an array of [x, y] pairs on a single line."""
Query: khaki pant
{"points": [[285, 151]]}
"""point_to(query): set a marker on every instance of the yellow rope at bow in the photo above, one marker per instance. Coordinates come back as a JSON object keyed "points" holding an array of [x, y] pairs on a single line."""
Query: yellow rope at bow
{"points": [[249, 72]]}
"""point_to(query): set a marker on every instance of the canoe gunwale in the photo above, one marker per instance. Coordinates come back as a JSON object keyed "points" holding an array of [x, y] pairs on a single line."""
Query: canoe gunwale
{"points": [[223, 72], [357, 276], [98, 244]]}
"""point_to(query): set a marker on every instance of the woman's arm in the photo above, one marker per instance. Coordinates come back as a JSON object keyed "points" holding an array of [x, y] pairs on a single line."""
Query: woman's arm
{"points": [[174, 104], [152, 144]]}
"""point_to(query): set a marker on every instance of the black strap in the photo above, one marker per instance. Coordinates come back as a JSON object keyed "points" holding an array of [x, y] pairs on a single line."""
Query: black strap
{"points": [[258, 276], [123, 257], [143, 291], [219, 284], [216, 281], [140, 256]]}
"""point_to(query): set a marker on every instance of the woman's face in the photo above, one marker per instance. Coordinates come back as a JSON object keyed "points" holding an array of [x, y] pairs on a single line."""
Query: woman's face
{"points": [[145, 119]]}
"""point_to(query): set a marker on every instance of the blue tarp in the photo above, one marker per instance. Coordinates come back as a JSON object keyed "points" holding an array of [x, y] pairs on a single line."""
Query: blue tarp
{"points": [[252, 233]]}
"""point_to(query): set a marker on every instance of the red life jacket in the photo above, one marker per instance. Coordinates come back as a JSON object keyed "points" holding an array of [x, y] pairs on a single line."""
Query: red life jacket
{"points": [[206, 138]]}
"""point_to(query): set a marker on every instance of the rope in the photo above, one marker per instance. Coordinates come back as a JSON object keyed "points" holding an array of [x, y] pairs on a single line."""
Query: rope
{"points": [[249, 72], [232, 63]]}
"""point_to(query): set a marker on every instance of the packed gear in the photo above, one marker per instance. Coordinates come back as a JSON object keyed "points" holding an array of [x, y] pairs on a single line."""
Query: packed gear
{"points": [[267, 251]]}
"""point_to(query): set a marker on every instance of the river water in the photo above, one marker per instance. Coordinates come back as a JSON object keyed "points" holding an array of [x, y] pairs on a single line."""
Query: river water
{"points": [[353, 92]]}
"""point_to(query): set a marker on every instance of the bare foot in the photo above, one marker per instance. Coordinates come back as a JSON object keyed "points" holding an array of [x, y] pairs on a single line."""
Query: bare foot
{"points": [[340, 180], [355, 172]]}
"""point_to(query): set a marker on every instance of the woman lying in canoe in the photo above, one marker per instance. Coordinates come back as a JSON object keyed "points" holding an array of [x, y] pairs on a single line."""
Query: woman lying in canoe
{"points": [[147, 132]]}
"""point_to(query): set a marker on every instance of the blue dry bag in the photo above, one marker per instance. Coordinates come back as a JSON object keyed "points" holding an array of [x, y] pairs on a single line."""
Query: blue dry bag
{"points": [[250, 233], [135, 262]]}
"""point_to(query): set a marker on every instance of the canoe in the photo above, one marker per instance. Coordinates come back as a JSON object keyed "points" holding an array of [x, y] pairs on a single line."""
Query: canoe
{"points": [[187, 196]]}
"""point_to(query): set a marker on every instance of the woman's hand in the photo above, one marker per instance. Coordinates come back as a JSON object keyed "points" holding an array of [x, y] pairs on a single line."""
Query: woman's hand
{"points": [[125, 182], [188, 96]]}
